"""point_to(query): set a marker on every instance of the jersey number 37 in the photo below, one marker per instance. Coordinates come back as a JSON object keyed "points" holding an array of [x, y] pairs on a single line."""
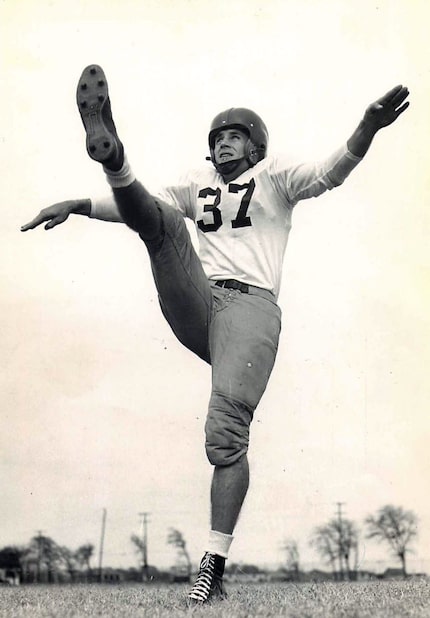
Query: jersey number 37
{"points": [[241, 219]]}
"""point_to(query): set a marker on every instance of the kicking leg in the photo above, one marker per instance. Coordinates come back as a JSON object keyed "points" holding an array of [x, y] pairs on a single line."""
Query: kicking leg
{"points": [[182, 285], [137, 206]]}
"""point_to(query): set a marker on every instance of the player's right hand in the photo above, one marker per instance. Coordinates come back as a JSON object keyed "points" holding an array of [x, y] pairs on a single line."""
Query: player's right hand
{"points": [[55, 214]]}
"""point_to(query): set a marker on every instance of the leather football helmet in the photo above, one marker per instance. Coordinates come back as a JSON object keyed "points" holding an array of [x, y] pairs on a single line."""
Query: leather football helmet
{"points": [[248, 121]]}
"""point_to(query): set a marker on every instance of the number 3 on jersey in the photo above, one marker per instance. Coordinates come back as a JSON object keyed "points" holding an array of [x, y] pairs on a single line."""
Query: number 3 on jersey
{"points": [[241, 220]]}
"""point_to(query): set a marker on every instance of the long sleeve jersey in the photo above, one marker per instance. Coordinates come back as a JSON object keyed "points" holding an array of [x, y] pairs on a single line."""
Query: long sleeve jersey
{"points": [[243, 226]]}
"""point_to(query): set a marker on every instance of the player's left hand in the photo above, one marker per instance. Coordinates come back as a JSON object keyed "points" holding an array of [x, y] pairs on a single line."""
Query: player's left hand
{"points": [[388, 108]]}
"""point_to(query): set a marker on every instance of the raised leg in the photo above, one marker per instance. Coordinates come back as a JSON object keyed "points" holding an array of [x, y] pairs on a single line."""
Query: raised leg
{"points": [[183, 289]]}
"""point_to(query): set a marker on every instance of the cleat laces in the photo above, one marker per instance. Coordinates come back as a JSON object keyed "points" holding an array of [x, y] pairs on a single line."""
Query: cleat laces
{"points": [[209, 579]]}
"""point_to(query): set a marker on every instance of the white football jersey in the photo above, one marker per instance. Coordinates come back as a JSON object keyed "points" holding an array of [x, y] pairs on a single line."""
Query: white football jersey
{"points": [[243, 226]]}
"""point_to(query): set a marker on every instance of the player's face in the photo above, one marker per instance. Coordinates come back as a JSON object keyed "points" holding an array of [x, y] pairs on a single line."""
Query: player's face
{"points": [[230, 145]]}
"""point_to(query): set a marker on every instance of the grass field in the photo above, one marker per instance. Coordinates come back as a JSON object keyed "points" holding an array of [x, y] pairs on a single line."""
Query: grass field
{"points": [[390, 599]]}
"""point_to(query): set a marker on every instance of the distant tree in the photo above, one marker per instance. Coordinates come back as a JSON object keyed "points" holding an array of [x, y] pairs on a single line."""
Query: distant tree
{"points": [[141, 550], [292, 557], [176, 539], [43, 559], [48, 555], [83, 555], [324, 541], [346, 534], [10, 557], [68, 557], [13, 558], [28, 558], [336, 541], [397, 527], [11, 561]]}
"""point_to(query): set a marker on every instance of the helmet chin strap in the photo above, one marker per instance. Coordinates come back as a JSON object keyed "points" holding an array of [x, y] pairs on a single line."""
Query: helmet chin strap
{"points": [[228, 167]]}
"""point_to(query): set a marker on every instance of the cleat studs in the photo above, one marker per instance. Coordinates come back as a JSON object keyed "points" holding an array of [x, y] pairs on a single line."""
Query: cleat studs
{"points": [[101, 98], [84, 104], [83, 86], [100, 83], [106, 144], [93, 148], [93, 71]]}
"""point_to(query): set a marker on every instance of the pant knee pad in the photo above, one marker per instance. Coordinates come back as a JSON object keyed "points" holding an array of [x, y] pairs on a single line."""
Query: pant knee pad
{"points": [[227, 430]]}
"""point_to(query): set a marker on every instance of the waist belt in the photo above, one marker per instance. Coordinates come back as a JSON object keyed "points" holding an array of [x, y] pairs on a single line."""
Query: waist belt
{"points": [[232, 284]]}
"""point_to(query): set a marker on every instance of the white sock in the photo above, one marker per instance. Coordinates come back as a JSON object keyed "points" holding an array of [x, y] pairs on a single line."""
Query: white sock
{"points": [[122, 178], [219, 543]]}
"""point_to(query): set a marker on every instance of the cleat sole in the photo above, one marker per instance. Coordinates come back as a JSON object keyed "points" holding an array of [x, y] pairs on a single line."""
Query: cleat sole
{"points": [[92, 96]]}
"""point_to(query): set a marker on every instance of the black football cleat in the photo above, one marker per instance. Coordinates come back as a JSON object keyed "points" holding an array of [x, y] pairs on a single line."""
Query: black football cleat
{"points": [[92, 96], [208, 585]]}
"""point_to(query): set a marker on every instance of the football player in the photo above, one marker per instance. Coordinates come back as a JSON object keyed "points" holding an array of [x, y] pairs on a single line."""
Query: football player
{"points": [[222, 302]]}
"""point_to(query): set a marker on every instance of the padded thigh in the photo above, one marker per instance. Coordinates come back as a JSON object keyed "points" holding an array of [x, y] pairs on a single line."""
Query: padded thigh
{"points": [[244, 335], [227, 430]]}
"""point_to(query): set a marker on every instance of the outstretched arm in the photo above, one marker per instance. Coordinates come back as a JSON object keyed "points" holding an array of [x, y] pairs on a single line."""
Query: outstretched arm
{"points": [[58, 213], [379, 114]]}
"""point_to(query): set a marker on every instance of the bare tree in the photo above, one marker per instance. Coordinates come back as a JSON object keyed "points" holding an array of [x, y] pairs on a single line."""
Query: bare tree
{"points": [[335, 542], [292, 561], [325, 544], [176, 538], [346, 535], [397, 527], [140, 548]]}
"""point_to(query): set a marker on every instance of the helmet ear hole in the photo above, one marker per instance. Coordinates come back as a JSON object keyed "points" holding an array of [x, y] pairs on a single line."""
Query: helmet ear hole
{"points": [[252, 153]]}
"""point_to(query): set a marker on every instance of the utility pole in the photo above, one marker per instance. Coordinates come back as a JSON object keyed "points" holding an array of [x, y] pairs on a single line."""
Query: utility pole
{"points": [[102, 539], [341, 543], [144, 535]]}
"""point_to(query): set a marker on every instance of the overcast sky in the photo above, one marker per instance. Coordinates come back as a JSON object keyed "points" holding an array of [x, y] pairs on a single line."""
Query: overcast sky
{"points": [[101, 406]]}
